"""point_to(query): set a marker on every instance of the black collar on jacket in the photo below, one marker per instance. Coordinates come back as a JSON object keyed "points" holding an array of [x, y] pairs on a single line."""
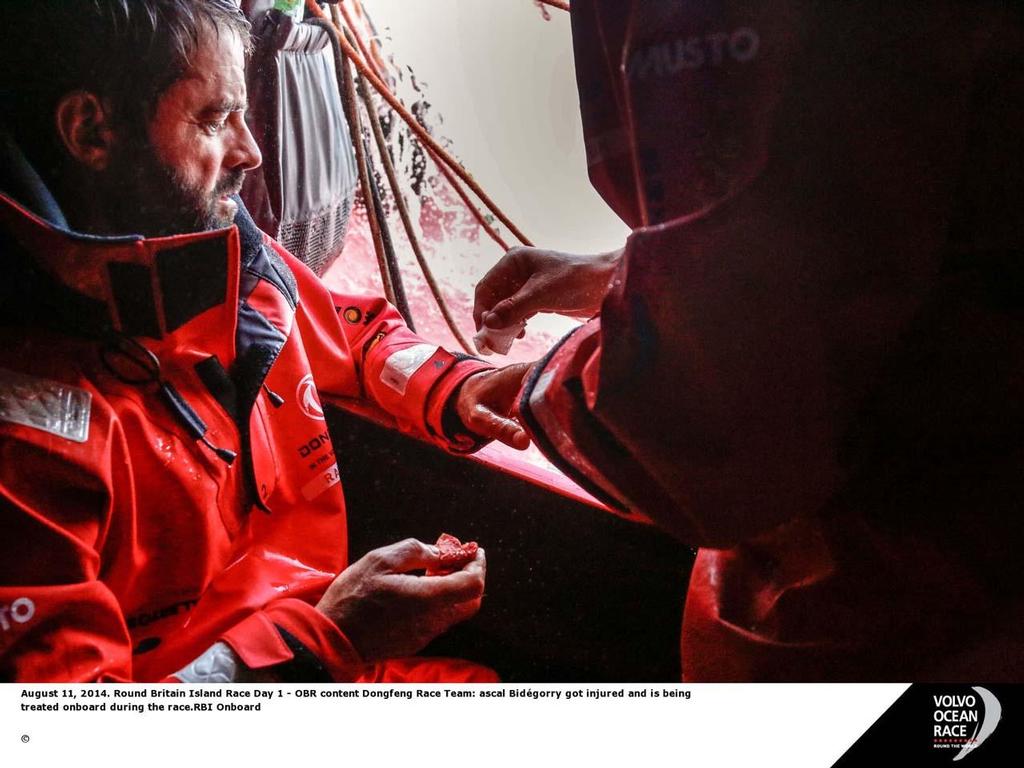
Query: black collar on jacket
{"points": [[87, 285]]}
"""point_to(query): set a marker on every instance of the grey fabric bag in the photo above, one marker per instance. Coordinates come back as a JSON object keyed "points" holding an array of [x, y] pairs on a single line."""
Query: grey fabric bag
{"points": [[302, 195]]}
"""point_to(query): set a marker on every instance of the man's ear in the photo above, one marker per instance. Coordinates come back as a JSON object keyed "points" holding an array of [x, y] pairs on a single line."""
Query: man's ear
{"points": [[85, 126]]}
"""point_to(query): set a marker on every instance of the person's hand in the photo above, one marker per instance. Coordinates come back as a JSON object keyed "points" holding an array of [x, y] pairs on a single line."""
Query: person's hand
{"points": [[386, 612], [486, 401], [526, 281]]}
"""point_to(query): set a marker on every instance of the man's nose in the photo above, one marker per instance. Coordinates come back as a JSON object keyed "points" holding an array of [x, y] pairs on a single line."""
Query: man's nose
{"points": [[244, 153]]}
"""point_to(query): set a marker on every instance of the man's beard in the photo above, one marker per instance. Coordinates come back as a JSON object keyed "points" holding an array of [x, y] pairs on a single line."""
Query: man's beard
{"points": [[150, 199]]}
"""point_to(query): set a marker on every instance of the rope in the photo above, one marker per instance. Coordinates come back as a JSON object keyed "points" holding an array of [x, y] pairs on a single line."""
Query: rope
{"points": [[390, 257], [451, 178], [419, 130], [368, 56], [356, 131], [444, 164], [403, 212]]}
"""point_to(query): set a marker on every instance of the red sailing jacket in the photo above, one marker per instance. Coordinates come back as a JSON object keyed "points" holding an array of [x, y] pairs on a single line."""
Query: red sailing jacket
{"points": [[132, 372], [810, 361]]}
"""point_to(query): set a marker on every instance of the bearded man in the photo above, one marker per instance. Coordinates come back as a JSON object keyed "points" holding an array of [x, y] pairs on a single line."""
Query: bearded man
{"points": [[161, 362]]}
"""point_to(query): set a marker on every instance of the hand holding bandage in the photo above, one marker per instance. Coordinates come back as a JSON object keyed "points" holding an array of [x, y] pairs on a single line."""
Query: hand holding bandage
{"points": [[526, 281]]}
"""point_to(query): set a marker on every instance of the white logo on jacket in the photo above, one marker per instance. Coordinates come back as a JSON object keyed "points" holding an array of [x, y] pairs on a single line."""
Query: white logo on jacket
{"points": [[20, 611], [307, 398]]}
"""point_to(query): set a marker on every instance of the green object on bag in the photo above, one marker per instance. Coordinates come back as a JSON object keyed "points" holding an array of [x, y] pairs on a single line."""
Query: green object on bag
{"points": [[288, 6]]}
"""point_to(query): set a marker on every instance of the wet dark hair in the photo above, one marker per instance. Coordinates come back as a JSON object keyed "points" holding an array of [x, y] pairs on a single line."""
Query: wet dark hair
{"points": [[127, 52]]}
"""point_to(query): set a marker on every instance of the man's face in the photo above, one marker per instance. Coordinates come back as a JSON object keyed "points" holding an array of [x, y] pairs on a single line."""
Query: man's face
{"points": [[198, 148]]}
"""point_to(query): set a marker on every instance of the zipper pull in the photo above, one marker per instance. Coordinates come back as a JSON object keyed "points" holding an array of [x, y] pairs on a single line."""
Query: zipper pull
{"points": [[275, 399], [191, 420]]}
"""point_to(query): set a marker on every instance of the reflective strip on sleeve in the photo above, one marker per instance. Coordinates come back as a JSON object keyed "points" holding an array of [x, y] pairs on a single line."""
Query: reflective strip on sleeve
{"points": [[50, 406], [403, 364]]}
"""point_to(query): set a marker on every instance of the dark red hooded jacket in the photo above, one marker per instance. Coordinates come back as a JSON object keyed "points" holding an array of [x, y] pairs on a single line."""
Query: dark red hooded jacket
{"points": [[810, 362]]}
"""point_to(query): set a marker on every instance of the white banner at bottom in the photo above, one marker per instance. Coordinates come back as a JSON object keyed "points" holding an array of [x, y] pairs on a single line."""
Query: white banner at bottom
{"points": [[106, 726]]}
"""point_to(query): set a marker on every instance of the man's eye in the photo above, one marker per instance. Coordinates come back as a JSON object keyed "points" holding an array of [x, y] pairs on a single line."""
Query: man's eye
{"points": [[213, 128]]}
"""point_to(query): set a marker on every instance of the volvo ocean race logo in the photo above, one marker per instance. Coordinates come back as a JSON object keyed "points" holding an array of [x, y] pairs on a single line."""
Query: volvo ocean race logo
{"points": [[307, 398], [963, 721]]}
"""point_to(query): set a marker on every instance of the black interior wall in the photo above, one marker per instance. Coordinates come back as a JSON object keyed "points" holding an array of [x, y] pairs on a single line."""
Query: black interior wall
{"points": [[573, 594]]}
